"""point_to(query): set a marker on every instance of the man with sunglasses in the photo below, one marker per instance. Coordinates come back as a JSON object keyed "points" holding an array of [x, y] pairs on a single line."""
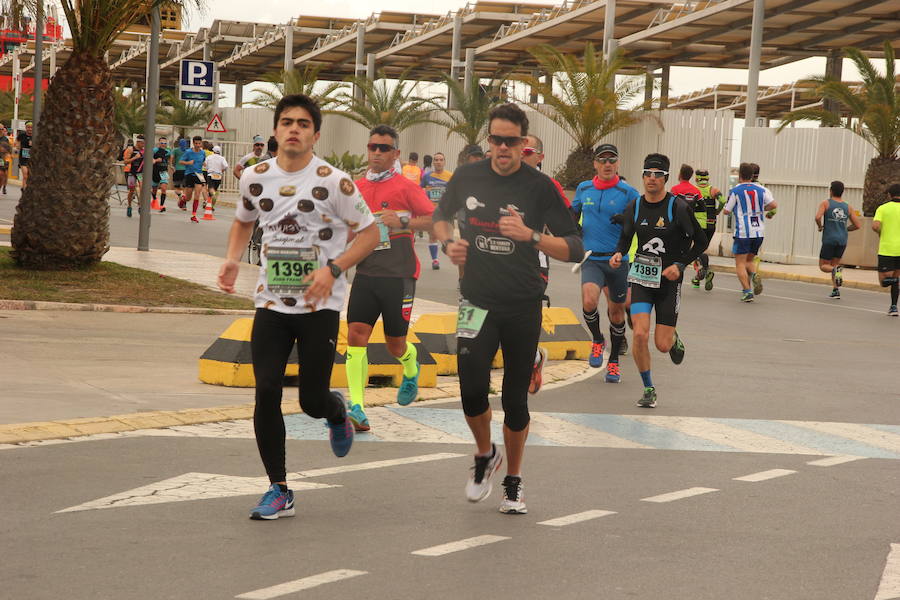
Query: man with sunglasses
{"points": [[750, 203], [712, 206], [668, 238], [599, 202], [435, 184], [505, 205], [385, 281], [252, 158]]}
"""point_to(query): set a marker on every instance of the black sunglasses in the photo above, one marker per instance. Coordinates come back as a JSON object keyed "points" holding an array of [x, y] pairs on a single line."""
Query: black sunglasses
{"points": [[379, 147], [655, 174], [258, 145], [511, 141]]}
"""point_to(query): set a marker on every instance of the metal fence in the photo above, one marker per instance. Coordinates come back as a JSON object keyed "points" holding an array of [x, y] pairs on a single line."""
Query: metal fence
{"points": [[798, 166]]}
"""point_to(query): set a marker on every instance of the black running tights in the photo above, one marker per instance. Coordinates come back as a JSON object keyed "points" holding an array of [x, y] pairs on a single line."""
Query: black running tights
{"points": [[273, 338], [516, 332]]}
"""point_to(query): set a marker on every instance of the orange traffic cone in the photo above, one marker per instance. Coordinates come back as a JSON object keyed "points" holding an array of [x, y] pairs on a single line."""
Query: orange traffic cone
{"points": [[154, 204], [207, 212]]}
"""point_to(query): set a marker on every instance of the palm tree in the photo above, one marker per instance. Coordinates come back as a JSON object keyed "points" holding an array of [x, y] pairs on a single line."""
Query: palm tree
{"points": [[469, 117], [62, 220], [384, 104], [131, 111], [584, 99], [7, 105], [873, 113], [183, 114], [295, 81]]}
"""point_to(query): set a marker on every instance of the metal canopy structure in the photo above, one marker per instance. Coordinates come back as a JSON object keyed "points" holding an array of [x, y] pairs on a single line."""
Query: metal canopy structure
{"points": [[496, 35], [773, 102]]}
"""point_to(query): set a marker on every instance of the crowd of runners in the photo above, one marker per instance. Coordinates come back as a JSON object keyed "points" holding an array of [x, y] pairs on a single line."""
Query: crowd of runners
{"points": [[497, 219]]}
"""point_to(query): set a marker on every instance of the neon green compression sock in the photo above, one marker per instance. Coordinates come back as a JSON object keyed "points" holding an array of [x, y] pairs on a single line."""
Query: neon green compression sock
{"points": [[408, 360], [357, 373]]}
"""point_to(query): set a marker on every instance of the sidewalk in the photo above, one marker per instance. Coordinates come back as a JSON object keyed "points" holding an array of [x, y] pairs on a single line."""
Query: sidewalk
{"points": [[862, 279]]}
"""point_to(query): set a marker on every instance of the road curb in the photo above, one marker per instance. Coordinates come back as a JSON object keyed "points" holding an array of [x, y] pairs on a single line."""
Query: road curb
{"points": [[21, 433], [117, 308], [859, 285]]}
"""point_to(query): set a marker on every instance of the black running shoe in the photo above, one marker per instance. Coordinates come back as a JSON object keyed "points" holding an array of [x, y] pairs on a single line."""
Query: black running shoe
{"points": [[676, 352]]}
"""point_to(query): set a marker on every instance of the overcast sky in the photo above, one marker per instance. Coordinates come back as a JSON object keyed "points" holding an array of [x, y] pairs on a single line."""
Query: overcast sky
{"points": [[682, 79]]}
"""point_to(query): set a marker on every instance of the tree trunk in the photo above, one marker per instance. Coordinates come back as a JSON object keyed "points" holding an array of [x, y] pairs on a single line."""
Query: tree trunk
{"points": [[579, 166], [881, 173], [62, 220]]}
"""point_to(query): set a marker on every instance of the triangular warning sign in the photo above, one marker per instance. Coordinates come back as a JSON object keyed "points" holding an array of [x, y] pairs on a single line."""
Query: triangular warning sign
{"points": [[216, 125]]}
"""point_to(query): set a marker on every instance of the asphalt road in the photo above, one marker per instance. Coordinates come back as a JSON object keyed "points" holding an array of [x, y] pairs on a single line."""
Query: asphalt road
{"points": [[164, 515]]}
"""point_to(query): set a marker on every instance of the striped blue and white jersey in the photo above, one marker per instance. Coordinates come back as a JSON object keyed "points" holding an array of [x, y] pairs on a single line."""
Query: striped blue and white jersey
{"points": [[747, 202]]}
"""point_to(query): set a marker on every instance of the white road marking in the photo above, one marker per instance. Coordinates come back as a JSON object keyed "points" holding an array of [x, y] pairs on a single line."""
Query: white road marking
{"points": [[465, 544], [299, 585], [765, 475], [378, 464], [725, 435], [389, 426], [672, 496], [191, 486], [889, 588], [854, 431], [834, 460], [577, 518], [571, 434]]}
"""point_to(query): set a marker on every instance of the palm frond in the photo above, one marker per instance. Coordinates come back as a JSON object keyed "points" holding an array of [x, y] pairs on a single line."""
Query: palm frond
{"points": [[384, 103]]}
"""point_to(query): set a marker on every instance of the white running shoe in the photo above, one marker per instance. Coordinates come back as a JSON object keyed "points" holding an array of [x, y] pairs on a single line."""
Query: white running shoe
{"points": [[513, 496], [479, 486]]}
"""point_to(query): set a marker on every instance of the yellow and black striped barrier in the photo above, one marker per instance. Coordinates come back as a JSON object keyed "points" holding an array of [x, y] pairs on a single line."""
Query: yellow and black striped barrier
{"points": [[227, 361]]}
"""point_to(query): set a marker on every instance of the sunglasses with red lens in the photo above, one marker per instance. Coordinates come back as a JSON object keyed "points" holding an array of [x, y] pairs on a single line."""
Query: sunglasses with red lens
{"points": [[528, 151], [511, 141], [379, 147]]}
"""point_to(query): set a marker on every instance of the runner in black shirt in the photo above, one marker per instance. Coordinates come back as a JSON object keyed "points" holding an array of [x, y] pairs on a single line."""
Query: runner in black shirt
{"points": [[505, 204], [668, 238], [24, 140]]}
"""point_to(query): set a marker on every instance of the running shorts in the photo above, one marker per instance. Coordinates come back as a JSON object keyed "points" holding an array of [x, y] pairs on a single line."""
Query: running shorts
{"points": [[390, 297], [160, 177], [831, 251], [213, 183], [602, 275], [888, 263], [23, 162], [178, 178], [192, 180], [666, 300], [131, 179], [746, 245]]}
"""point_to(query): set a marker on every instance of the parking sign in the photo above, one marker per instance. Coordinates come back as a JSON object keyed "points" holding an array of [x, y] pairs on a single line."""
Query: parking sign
{"points": [[197, 77]]}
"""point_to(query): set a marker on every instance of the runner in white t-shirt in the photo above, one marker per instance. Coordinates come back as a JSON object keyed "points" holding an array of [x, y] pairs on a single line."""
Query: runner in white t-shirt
{"points": [[216, 167], [306, 209]]}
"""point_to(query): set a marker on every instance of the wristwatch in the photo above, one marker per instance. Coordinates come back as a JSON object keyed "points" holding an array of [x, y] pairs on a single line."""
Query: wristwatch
{"points": [[404, 222], [535, 237], [335, 269], [446, 243]]}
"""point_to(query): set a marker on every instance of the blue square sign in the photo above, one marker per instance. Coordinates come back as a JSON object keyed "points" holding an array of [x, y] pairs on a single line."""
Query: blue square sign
{"points": [[197, 80]]}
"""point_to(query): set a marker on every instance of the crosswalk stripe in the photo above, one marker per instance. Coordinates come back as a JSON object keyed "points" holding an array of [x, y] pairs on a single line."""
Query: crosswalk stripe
{"points": [[465, 544], [833, 460], [854, 431], [573, 434], [722, 433], [392, 426], [577, 518], [299, 585], [680, 494], [765, 475]]}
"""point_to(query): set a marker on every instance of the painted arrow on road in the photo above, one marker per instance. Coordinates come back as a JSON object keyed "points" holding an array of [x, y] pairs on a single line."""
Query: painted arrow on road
{"points": [[889, 589], [208, 486]]}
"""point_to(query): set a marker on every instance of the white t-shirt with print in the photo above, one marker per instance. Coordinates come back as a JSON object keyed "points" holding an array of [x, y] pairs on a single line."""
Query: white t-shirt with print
{"points": [[308, 210]]}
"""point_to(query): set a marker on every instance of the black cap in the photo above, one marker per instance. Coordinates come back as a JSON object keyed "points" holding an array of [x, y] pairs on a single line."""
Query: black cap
{"points": [[607, 148], [473, 150], [657, 161]]}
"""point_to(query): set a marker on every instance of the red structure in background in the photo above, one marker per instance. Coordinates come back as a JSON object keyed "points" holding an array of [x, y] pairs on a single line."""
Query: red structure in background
{"points": [[10, 39]]}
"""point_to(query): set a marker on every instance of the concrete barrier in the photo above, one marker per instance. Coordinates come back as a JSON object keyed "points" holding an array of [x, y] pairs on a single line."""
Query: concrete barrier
{"points": [[227, 361]]}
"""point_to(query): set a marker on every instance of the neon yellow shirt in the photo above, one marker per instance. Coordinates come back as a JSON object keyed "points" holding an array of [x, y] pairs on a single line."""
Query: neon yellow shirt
{"points": [[888, 214]]}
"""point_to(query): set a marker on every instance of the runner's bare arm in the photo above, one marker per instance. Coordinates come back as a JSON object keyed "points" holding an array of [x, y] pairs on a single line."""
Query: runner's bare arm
{"points": [[820, 213], [238, 237], [855, 223]]}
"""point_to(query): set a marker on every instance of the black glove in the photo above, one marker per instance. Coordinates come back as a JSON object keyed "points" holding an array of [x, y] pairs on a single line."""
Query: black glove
{"points": [[618, 219]]}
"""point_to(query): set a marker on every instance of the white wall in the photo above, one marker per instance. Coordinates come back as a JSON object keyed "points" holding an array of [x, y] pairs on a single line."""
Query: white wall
{"points": [[798, 166]]}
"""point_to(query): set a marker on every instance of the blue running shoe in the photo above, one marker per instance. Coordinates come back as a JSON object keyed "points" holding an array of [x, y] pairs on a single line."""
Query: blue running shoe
{"points": [[612, 372], [274, 504], [359, 418], [596, 357], [341, 435], [409, 388]]}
